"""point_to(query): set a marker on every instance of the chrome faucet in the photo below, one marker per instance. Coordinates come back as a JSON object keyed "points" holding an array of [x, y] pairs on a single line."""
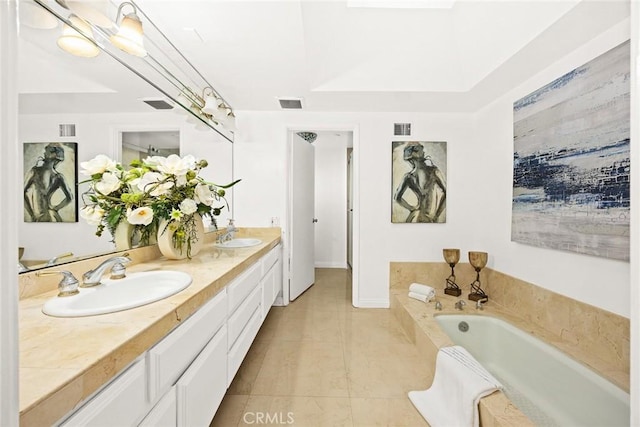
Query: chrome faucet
{"points": [[54, 260], [480, 303], [228, 234], [93, 277], [460, 304]]}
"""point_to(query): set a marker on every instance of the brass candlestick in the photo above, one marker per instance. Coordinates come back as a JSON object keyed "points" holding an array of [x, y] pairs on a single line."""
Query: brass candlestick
{"points": [[478, 260], [452, 256]]}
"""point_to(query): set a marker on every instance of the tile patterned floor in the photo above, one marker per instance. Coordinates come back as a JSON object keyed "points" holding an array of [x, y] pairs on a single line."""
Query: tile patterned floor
{"points": [[321, 362]]}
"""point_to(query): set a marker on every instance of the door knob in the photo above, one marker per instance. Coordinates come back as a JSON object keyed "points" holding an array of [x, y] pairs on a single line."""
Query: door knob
{"points": [[315, 220]]}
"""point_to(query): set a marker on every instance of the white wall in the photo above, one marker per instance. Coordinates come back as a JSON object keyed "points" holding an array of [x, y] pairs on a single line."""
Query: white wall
{"points": [[331, 199], [598, 281], [98, 134], [263, 136], [479, 190]]}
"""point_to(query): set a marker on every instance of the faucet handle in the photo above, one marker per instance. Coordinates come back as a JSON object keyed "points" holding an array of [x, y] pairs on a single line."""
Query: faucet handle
{"points": [[118, 271], [67, 286]]}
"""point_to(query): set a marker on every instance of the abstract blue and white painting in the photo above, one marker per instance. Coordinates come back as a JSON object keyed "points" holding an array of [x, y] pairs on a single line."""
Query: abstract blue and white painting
{"points": [[571, 163]]}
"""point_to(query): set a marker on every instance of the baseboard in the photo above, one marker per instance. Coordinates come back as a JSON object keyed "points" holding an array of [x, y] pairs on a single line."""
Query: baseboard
{"points": [[372, 303], [331, 265]]}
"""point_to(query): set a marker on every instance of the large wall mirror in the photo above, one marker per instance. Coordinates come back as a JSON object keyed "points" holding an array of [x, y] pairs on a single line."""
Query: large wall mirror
{"points": [[72, 109]]}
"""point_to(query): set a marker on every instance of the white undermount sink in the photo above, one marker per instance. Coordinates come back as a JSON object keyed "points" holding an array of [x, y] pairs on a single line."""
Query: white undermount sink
{"points": [[134, 290], [239, 243]]}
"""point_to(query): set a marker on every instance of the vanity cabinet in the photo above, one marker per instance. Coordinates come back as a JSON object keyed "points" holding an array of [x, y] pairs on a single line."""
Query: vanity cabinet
{"points": [[182, 379], [121, 403]]}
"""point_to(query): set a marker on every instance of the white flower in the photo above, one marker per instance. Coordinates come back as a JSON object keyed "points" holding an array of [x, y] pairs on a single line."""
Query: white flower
{"points": [[98, 164], [181, 180], [175, 214], [153, 160], [190, 161], [204, 194], [143, 215], [108, 184], [151, 182], [92, 214], [174, 165], [188, 206]]}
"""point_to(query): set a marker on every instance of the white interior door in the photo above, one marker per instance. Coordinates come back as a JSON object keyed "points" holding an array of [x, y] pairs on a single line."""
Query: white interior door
{"points": [[302, 204]]}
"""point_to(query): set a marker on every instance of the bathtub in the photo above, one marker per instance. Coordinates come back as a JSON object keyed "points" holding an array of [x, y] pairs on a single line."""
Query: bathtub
{"points": [[545, 384]]}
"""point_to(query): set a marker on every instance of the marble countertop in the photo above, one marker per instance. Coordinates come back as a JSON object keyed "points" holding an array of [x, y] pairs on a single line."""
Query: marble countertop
{"points": [[65, 360]]}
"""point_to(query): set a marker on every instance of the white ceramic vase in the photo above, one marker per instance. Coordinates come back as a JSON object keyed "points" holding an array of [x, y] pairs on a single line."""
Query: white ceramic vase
{"points": [[165, 240], [123, 236]]}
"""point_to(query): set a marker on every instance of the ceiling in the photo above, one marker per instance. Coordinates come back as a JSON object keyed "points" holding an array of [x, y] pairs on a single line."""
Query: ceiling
{"points": [[334, 57]]}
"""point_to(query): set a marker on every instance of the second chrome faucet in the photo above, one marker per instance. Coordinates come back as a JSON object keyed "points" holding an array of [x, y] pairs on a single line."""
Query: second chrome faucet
{"points": [[93, 277]]}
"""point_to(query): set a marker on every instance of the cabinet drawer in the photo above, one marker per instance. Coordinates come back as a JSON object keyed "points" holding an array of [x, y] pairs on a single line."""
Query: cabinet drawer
{"points": [[269, 259], [201, 389], [123, 402], [239, 319], [164, 413], [170, 357], [243, 285], [242, 345]]}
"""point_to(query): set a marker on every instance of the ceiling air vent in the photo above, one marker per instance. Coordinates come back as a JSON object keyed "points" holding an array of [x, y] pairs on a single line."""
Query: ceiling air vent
{"points": [[402, 129], [158, 104], [290, 103]]}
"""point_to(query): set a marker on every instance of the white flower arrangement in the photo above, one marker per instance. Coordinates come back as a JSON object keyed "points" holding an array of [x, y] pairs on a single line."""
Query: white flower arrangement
{"points": [[151, 190]]}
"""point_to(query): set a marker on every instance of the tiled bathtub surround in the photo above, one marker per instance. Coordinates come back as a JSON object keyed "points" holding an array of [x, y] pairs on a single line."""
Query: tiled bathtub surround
{"points": [[595, 337]]}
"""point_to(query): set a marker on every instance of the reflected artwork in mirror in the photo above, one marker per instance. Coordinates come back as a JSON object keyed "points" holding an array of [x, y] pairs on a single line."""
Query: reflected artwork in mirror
{"points": [[111, 108], [50, 182]]}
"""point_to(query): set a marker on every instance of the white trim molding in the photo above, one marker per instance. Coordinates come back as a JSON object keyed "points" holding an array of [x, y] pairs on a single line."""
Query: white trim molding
{"points": [[11, 191]]}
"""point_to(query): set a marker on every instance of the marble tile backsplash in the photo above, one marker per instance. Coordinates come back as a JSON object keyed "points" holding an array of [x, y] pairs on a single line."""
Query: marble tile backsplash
{"points": [[597, 332]]}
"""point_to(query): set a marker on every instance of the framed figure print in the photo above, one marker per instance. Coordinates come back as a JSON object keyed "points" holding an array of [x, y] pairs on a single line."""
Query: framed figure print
{"points": [[419, 185], [50, 181]]}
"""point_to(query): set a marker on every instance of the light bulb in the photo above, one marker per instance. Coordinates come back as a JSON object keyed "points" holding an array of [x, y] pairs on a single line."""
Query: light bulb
{"points": [[76, 43]]}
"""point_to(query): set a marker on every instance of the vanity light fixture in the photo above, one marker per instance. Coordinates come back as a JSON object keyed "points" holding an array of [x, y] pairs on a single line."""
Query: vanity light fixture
{"points": [[129, 37], [76, 43], [165, 67]]}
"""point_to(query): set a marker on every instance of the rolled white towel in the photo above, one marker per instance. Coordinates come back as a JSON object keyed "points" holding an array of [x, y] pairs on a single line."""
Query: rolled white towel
{"points": [[419, 297], [417, 288]]}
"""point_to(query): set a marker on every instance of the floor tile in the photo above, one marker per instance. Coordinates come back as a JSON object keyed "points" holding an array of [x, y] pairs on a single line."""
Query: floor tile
{"points": [[385, 412], [323, 362], [302, 368], [230, 411]]}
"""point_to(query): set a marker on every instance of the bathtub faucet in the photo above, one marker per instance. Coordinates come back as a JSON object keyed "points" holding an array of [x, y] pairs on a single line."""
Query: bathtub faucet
{"points": [[460, 304]]}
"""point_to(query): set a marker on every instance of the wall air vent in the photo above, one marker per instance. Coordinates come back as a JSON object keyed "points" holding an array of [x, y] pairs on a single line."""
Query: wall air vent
{"points": [[158, 104], [67, 130], [402, 129], [290, 103]]}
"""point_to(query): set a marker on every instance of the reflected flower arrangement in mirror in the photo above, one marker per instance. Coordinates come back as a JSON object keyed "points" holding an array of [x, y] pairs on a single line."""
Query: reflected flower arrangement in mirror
{"points": [[154, 195]]}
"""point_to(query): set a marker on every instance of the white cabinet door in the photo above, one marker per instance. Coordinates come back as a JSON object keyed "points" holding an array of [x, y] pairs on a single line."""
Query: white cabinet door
{"points": [[121, 403], [202, 387], [170, 357], [243, 343], [164, 413]]}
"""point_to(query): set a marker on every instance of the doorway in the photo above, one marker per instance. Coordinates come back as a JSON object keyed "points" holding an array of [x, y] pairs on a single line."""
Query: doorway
{"points": [[335, 212], [138, 145]]}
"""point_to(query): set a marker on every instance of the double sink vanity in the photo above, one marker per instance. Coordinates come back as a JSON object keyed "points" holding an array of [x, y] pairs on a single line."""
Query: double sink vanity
{"points": [[166, 362]]}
